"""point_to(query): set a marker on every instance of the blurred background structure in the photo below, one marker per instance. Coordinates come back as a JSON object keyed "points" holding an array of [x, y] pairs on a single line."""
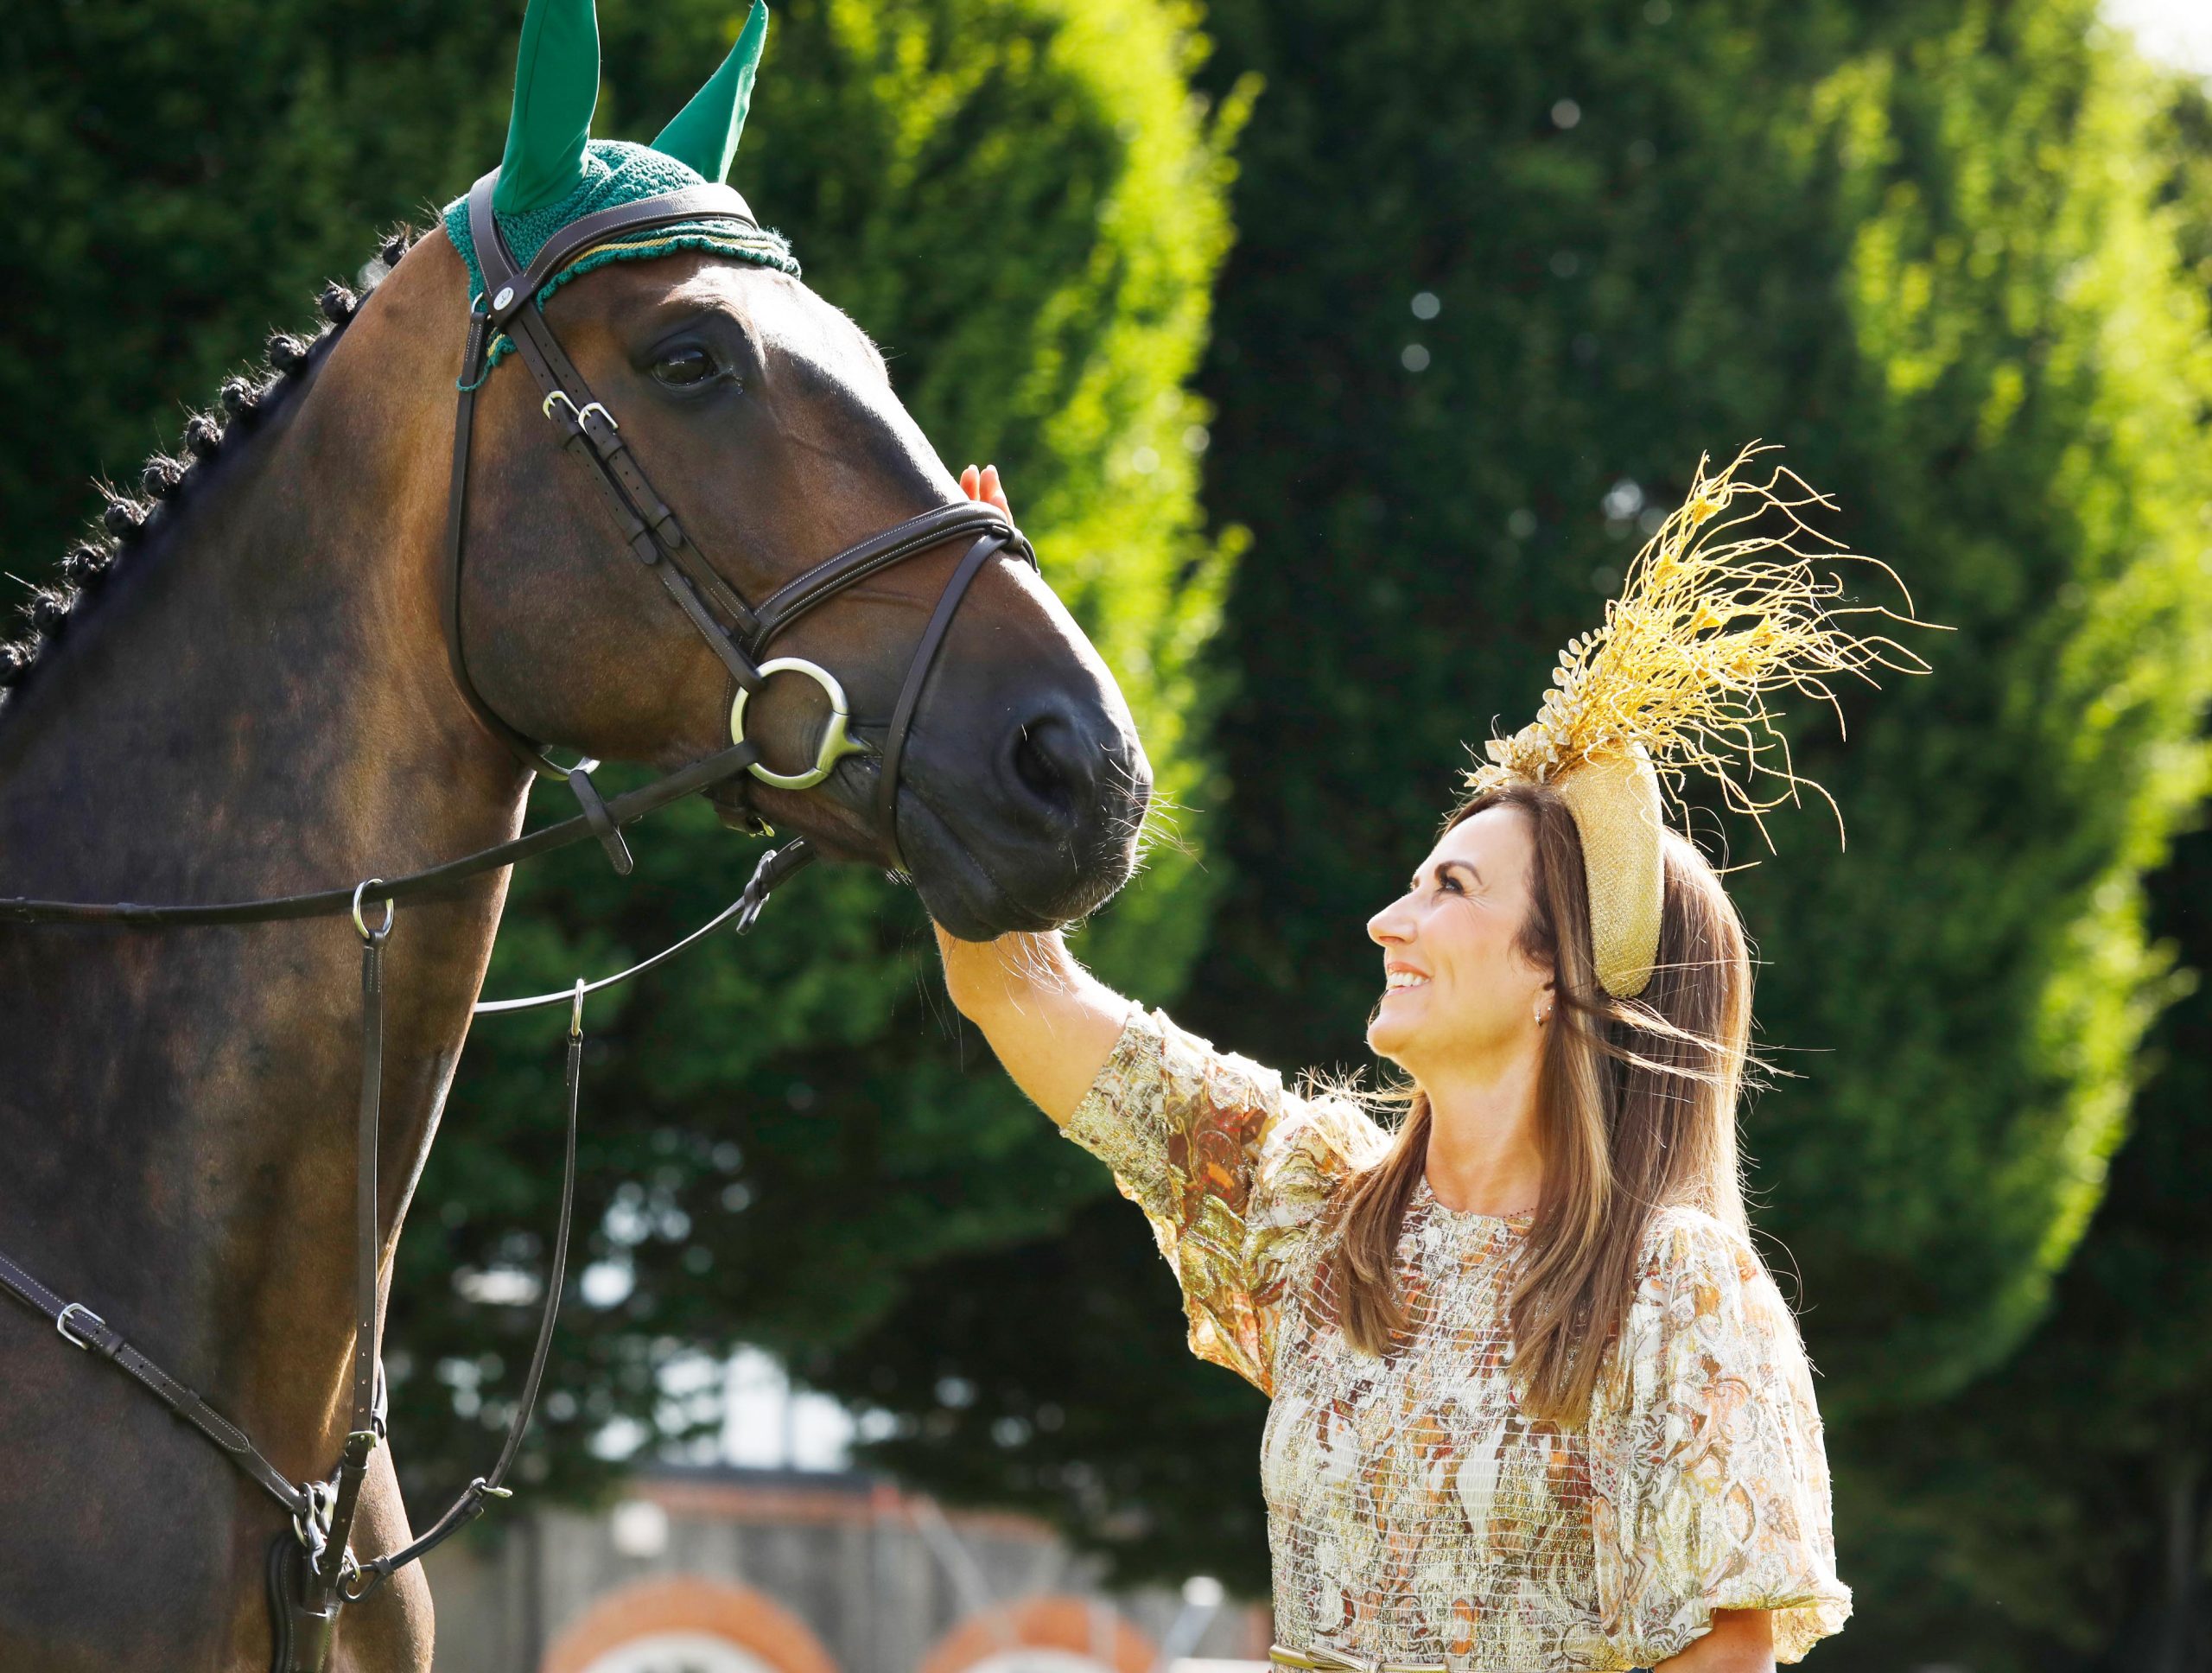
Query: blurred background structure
{"points": [[734, 1569], [1338, 356]]}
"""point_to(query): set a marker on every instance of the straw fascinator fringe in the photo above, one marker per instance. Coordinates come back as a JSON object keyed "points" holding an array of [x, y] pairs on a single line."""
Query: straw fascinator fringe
{"points": [[1715, 613]]}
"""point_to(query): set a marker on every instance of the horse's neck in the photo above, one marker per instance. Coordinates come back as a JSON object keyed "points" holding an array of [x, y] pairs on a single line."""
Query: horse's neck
{"points": [[260, 706], [261, 701]]}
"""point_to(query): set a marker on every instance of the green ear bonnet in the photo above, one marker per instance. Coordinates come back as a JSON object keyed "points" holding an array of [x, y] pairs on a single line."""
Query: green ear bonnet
{"points": [[554, 174]]}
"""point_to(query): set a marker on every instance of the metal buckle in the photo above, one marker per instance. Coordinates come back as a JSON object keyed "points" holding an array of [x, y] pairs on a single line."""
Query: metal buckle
{"points": [[311, 1524], [61, 1325], [1324, 1658], [577, 415], [757, 890], [836, 741]]}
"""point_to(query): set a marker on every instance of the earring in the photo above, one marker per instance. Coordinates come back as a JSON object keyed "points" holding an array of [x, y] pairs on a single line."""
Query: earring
{"points": [[1543, 1015]]}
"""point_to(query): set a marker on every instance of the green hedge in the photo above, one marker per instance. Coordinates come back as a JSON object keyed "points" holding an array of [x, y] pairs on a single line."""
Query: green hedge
{"points": [[1918, 246], [2050, 1514]]}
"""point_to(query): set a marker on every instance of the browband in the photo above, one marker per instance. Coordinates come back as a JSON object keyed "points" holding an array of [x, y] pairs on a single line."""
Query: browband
{"points": [[506, 292]]}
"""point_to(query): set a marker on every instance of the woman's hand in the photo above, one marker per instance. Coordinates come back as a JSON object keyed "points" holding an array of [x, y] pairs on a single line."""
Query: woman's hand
{"points": [[983, 484], [1052, 1022], [1741, 1641]]}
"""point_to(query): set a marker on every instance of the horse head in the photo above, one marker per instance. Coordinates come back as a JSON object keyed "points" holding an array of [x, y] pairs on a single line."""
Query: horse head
{"points": [[991, 756]]}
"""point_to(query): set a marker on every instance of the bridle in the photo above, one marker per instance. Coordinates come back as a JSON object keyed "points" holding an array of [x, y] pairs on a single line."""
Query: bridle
{"points": [[312, 1572], [736, 632]]}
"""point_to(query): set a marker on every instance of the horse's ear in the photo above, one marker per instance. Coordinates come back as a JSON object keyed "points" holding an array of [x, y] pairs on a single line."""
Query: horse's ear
{"points": [[557, 86], [705, 131]]}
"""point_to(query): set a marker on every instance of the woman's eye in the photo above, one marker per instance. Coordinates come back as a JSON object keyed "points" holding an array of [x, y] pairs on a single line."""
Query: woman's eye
{"points": [[683, 367]]}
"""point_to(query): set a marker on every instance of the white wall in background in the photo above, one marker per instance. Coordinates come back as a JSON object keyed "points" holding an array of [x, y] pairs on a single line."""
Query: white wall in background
{"points": [[767, 1424], [679, 1653]]}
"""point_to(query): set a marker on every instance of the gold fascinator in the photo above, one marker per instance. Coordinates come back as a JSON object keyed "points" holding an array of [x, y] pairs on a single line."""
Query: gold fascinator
{"points": [[1722, 606]]}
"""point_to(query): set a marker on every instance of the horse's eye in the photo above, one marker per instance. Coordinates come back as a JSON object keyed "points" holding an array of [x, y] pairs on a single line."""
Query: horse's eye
{"points": [[683, 368]]}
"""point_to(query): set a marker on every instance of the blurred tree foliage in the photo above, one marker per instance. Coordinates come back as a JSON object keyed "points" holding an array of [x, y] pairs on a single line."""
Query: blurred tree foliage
{"points": [[2057, 1510], [2055, 1513], [1918, 245], [1024, 202], [1501, 273]]}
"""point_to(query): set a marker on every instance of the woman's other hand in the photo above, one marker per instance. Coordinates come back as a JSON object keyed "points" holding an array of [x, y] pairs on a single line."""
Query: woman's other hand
{"points": [[1741, 1641], [984, 485]]}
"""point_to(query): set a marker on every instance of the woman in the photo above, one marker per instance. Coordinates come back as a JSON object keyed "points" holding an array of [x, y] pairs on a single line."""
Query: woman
{"points": [[1536, 1402]]}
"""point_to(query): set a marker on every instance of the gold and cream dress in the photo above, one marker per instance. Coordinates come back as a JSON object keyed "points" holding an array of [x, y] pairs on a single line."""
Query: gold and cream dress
{"points": [[1412, 1514]]}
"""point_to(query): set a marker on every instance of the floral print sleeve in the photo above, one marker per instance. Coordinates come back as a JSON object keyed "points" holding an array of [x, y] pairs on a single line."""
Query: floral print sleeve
{"points": [[1719, 1490], [1230, 1169]]}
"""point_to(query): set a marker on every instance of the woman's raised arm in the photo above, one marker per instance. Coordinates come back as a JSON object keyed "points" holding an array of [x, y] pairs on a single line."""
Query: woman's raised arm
{"points": [[1052, 1022]]}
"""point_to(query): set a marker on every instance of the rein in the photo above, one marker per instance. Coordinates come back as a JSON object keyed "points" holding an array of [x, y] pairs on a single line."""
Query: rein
{"points": [[442, 879], [313, 1573]]}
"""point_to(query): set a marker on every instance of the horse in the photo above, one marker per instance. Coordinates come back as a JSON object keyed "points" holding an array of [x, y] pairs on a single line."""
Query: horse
{"points": [[264, 699]]}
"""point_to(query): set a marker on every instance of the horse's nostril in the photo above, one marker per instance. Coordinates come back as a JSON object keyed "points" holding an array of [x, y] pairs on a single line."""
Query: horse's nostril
{"points": [[1034, 766], [1056, 763]]}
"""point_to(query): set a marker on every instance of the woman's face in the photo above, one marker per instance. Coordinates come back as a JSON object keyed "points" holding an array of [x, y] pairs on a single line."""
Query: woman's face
{"points": [[1457, 992]]}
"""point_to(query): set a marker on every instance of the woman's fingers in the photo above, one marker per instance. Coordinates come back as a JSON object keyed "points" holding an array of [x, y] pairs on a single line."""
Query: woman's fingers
{"points": [[984, 485]]}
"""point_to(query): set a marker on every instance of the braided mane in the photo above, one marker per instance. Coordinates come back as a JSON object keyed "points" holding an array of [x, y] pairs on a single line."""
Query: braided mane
{"points": [[166, 481]]}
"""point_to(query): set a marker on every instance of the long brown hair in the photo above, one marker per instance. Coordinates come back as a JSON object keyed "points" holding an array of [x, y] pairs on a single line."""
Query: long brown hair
{"points": [[1637, 1106]]}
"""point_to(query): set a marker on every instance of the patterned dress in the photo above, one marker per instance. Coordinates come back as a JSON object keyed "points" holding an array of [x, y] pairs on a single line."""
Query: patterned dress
{"points": [[1413, 1515]]}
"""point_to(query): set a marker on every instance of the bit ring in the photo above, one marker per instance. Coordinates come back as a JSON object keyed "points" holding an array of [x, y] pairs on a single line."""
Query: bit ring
{"points": [[837, 741]]}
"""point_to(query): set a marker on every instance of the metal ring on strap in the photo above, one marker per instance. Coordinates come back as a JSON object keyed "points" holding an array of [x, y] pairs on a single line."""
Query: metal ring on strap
{"points": [[371, 936], [837, 741]]}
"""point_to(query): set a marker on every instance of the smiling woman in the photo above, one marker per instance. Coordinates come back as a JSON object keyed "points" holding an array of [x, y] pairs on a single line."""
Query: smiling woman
{"points": [[1535, 1400]]}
